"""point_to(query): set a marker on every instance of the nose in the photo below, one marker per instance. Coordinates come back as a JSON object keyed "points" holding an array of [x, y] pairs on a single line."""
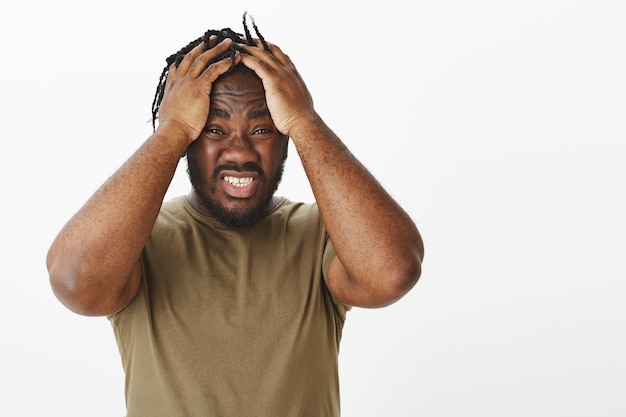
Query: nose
{"points": [[239, 150]]}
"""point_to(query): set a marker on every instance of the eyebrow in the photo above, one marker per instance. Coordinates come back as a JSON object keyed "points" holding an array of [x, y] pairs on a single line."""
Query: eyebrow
{"points": [[221, 113], [258, 114], [254, 114]]}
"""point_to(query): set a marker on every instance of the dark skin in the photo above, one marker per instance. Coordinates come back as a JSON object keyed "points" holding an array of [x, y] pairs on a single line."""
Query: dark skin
{"points": [[239, 132], [93, 262]]}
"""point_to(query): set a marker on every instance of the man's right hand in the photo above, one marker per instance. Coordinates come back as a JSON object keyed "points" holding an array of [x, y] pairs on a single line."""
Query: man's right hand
{"points": [[187, 96]]}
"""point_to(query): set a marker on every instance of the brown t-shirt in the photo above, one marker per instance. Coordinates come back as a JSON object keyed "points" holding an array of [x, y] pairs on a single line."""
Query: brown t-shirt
{"points": [[233, 323]]}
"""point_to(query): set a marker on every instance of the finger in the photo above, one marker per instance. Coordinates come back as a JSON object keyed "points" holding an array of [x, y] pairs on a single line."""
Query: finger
{"points": [[191, 56], [213, 71], [280, 56], [171, 73], [201, 62], [261, 55], [212, 41], [256, 42], [275, 54], [258, 65]]}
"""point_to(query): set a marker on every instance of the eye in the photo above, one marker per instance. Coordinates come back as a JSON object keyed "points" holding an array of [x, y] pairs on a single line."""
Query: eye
{"points": [[213, 131], [263, 133]]}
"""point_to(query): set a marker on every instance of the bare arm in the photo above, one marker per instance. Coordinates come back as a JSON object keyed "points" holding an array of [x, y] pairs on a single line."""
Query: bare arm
{"points": [[93, 262], [379, 249]]}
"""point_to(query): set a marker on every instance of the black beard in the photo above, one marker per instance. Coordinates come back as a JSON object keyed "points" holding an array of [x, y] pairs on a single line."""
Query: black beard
{"points": [[237, 219]]}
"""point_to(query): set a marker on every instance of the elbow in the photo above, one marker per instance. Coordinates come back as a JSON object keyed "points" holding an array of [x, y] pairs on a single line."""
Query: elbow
{"points": [[391, 280], [69, 288], [399, 281], [77, 288], [400, 278]]}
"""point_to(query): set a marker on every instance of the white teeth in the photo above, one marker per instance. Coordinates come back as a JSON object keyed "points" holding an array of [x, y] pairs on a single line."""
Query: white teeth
{"points": [[239, 182]]}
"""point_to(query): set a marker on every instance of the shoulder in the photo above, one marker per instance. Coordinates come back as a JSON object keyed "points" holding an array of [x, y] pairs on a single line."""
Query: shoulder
{"points": [[297, 212], [173, 207], [177, 213], [290, 225]]}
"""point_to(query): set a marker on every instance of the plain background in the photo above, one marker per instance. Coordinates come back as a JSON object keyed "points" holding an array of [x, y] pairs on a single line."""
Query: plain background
{"points": [[499, 126]]}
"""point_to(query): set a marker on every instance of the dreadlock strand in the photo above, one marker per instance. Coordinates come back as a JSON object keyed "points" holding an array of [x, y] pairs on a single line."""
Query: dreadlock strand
{"points": [[207, 38], [158, 96], [256, 30], [249, 39]]}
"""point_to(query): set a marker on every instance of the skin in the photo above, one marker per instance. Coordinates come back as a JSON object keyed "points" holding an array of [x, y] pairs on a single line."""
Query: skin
{"points": [[93, 264], [239, 155]]}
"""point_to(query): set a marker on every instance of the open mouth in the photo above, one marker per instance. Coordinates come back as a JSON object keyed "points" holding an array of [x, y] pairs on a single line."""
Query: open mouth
{"points": [[238, 182], [239, 187]]}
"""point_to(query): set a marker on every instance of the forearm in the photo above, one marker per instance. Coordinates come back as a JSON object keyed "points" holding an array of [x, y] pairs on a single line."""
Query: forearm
{"points": [[94, 255], [376, 241]]}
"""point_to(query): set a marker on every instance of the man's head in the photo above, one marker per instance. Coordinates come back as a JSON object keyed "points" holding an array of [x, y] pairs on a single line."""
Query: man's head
{"points": [[236, 164], [210, 38]]}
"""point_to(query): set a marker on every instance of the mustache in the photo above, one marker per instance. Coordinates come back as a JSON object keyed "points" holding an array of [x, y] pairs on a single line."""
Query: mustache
{"points": [[247, 167]]}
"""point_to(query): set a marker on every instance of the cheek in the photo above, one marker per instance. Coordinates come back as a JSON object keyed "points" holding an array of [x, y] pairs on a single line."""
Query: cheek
{"points": [[273, 156], [202, 152]]}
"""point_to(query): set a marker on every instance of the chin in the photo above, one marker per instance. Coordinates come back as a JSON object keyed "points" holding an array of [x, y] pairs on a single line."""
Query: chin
{"points": [[238, 216]]}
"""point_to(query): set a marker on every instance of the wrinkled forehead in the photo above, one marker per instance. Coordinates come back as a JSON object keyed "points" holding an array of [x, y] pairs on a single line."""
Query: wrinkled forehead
{"points": [[239, 84]]}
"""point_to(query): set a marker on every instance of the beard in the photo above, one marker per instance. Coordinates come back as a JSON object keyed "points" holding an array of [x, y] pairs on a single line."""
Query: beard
{"points": [[233, 218]]}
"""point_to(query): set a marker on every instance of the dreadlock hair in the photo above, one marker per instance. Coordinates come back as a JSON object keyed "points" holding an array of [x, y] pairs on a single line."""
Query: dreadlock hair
{"points": [[222, 34]]}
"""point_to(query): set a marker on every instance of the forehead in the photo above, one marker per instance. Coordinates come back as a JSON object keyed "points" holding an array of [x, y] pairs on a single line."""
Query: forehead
{"points": [[240, 86], [237, 95]]}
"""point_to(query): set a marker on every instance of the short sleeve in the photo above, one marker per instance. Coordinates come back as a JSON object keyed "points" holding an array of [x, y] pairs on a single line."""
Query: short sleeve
{"points": [[328, 256]]}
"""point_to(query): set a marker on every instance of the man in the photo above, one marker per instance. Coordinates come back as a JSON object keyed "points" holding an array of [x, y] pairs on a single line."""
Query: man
{"points": [[230, 301]]}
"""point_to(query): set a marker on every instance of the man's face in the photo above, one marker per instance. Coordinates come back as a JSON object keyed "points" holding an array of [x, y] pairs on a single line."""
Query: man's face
{"points": [[236, 163]]}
